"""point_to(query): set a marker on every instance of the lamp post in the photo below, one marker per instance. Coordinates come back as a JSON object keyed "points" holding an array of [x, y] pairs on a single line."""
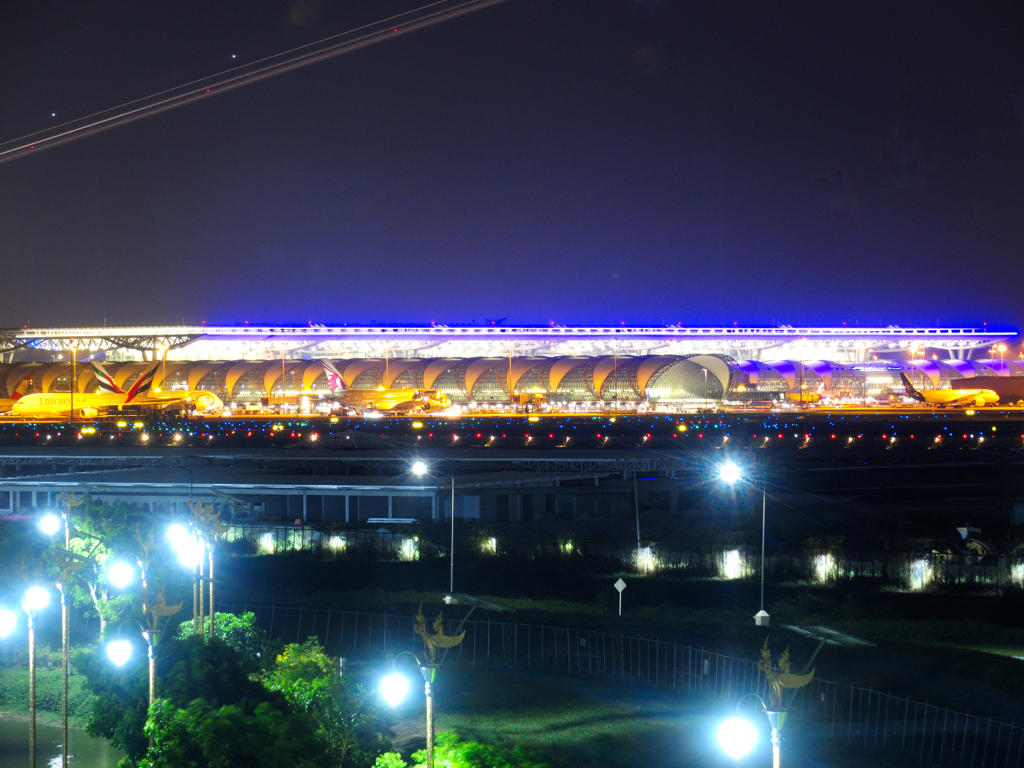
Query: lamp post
{"points": [[36, 598], [191, 553], [50, 525], [730, 473], [395, 686], [120, 650], [74, 376], [419, 468]]}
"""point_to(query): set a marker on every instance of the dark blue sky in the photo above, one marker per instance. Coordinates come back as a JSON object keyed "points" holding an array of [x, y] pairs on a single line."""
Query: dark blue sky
{"points": [[579, 161]]}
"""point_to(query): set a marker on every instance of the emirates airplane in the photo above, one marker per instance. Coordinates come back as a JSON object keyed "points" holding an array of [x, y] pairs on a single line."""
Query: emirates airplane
{"points": [[109, 399]]}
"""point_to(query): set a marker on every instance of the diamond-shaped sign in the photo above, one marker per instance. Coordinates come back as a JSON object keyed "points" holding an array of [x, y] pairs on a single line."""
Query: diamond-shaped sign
{"points": [[620, 585]]}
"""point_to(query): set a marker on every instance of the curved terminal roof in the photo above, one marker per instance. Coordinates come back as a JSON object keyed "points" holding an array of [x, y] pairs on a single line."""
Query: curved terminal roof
{"points": [[657, 378]]}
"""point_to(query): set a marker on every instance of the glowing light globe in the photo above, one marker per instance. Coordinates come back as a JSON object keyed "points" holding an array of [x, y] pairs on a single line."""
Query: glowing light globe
{"points": [[36, 599], [393, 688], [121, 575], [119, 651], [50, 524], [729, 472], [419, 468], [737, 737]]}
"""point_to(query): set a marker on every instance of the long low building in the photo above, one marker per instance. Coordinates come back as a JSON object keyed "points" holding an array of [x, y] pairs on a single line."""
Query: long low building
{"points": [[668, 379], [247, 342]]}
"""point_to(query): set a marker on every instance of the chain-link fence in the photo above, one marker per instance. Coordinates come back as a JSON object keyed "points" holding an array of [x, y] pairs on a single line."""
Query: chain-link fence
{"points": [[874, 720]]}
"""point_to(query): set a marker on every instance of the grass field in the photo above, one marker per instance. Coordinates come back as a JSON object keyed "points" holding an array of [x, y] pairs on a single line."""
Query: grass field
{"points": [[948, 647], [582, 722], [14, 696]]}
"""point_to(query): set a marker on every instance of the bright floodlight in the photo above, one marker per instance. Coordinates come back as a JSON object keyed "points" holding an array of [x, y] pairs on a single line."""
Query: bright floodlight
{"points": [[50, 525], [36, 599], [7, 622], [737, 736], [119, 651], [729, 472], [176, 534], [419, 468], [120, 575], [393, 688], [189, 549]]}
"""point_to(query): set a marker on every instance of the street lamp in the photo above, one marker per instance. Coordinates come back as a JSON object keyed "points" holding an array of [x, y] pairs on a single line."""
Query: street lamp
{"points": [[190, 550], [36, 598], [730, 474], [737, 735], [120, 650], [395, 687], [50, 524], [420, 468]]}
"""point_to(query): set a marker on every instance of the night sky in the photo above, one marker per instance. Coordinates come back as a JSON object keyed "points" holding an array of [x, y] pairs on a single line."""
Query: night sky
{"points": [[567, 161]]}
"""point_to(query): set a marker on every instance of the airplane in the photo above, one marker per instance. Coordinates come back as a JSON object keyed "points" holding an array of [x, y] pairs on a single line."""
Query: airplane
{"points": [[393, 401], [954, 397], [109, 398], [6, 403]]}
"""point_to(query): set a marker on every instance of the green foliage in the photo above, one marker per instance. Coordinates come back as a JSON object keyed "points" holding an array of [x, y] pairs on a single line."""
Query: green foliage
{"points": [[121, 700], [390, 760], [301, 663], [240, 632], [254, 734], [351, 728], [451, 751]]}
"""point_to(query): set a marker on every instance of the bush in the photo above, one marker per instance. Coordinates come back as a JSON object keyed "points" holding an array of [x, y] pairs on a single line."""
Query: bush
{"points": [[450, 751]]}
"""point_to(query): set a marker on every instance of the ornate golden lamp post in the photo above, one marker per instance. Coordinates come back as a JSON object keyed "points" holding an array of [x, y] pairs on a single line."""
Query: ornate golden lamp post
{"points": [[394, 687]]}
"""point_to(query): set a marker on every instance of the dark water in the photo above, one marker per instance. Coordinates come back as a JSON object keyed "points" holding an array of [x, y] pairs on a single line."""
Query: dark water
{"points": [[84, 751]]}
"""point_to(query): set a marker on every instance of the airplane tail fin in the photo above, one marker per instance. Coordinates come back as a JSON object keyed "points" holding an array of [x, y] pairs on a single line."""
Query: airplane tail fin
{"points": [[22, 387], [911, 391], [143, 384], [334, 380], [105, 380]]}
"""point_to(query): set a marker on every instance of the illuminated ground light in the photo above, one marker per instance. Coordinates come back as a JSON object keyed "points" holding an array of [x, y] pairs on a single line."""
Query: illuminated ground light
{"points": [[645, 560], [920, 574], [489, 546], [267, 543], [410, 549], [337, 543], [825, 568], [732, 564], [566, 546]]}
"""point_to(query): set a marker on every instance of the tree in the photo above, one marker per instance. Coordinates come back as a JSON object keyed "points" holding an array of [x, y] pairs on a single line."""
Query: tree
{"points": [[351, 728], [241, 633], [213, 711], [253, 734], [101, 534]]}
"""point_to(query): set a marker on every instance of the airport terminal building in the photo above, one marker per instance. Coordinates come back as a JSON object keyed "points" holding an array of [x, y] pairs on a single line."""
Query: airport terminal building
{"points": [[574, 383], [576, 367]]}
